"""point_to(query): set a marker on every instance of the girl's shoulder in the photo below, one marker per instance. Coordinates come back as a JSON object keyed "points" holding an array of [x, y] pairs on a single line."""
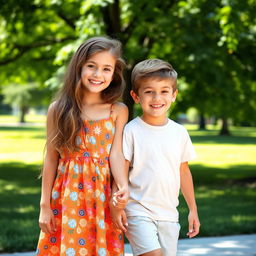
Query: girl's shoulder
{"points": [[119, 110], [52, 106]]}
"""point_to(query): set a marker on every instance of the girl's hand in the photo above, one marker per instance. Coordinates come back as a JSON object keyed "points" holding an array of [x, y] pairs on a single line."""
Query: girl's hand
{"points": [[120, 198], [47, 222], [118, 217], [194, 224]]}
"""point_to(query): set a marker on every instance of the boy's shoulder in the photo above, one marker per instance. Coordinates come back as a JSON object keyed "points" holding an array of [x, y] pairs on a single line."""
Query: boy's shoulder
{"points": [[175, 124], [177, 127], [132, 123]]}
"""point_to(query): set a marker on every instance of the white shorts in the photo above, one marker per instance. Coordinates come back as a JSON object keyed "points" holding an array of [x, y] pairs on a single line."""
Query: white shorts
{"points": [[145, 235]]}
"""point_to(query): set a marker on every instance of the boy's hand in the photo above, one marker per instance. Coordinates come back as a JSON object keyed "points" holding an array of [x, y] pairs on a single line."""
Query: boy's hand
{"points": [[120, 198], [47, 222], [194, 224], [118, 217]]}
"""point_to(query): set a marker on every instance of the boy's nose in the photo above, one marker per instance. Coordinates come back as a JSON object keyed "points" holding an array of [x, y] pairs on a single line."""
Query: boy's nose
{"points": [[156, 96]]}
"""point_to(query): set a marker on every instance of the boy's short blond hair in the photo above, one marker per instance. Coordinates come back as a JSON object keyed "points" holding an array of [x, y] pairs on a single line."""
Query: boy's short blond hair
{"points": [[152, 68]]}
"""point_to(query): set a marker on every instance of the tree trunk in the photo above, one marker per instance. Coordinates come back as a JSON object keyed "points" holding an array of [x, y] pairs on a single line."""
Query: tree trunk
{"points": [[202, 125], [111, 16], [224, 128], [128, 101], [23, 112]]}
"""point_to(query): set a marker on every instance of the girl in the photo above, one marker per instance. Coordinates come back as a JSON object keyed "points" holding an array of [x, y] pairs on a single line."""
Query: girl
{"points": [[84, 134]]}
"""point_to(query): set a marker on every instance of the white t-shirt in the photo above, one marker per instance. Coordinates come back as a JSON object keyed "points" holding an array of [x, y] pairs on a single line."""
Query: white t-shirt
{"points": [[155, 154]]}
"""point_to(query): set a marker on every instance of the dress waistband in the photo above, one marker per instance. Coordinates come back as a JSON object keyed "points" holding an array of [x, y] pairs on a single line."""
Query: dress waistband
{"points": [[82, 158]]}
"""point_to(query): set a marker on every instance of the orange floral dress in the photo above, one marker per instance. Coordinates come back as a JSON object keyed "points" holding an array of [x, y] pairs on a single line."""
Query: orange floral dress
{"points": [[80, 197]]}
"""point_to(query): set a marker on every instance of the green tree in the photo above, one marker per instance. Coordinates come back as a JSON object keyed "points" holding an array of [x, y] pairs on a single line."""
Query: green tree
{"points": [[24, 96], [210, 43]]}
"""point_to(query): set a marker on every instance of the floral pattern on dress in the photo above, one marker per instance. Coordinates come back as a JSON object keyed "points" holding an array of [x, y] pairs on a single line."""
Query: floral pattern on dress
{"points": [[80, 197]]}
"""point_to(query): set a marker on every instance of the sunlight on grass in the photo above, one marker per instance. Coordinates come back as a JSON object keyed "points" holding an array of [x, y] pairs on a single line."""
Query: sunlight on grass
{"points": [[24, 144], [24, 209], [225, 154], [30, 118], [26, 157], [239, 218], [213, 193], [223, 173]]}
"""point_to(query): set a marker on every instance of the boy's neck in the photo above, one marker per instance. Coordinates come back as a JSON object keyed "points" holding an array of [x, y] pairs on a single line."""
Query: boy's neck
{"points": [[155, 121]]}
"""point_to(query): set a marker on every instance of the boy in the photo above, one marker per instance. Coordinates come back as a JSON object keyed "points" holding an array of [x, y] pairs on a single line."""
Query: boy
{"points": [[157, 150]]}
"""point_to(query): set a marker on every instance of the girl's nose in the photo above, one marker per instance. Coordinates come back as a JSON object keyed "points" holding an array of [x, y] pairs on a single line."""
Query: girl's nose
{"points": [[97, 72]]}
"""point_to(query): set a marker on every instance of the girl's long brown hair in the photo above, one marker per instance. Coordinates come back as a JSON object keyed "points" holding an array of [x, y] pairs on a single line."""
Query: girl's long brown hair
{"points": [[68, 105]]}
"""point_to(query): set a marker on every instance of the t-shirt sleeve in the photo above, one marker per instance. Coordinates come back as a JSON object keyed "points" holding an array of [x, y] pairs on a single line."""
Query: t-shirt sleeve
{"points": [[188, 152], [128, 144]]}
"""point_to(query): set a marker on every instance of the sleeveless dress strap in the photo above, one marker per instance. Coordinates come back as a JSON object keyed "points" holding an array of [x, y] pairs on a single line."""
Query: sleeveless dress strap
{"points": [[111, 109]]}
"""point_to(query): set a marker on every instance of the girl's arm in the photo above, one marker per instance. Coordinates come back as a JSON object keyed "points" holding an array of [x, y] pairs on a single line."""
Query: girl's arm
{"points": [[187, 189], [117, 214], [46, 218], [117, 160]]}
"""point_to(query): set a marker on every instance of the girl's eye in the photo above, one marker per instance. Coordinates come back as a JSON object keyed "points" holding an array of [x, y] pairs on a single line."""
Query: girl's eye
{"points": [[107, 69], [90, 65]]}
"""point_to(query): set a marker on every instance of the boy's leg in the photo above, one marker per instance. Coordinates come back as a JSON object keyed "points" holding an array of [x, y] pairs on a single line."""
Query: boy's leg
{"points": [[168, 233], [157, 252], [143, 237]]}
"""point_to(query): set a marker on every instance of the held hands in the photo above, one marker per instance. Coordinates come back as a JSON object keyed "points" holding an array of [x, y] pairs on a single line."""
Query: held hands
{"points": [[118, 216], [120, 198], [194, 224], [117, 204], [47, 222]]}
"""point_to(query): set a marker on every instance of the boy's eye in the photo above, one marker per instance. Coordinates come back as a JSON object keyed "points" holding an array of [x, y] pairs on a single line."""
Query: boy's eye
{"points": [[148, 91], [165, 91]]}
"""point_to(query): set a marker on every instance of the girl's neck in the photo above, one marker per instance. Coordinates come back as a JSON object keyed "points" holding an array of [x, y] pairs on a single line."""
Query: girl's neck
{"points": [[92, 99]]}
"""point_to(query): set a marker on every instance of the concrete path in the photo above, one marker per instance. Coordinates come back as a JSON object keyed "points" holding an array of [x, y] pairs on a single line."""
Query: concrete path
{"points": [[242, 245]]}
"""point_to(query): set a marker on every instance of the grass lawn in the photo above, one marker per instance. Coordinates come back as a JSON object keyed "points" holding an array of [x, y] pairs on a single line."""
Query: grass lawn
{"points": [[224, 176], [30, 118]]}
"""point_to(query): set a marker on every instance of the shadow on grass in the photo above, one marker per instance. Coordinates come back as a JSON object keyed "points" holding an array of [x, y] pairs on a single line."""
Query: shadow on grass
{"points": [[222, 211], [20, 195], [225, 199], [205, 175], [215, 139], [22, 174], [20, 188]]}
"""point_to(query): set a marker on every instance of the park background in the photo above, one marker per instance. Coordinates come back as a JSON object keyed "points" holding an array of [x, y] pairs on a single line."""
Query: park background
{"points": [[211, 44]]}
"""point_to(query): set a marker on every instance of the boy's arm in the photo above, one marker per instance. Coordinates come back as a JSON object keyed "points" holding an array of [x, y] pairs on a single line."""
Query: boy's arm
{"points": [[118, 200], [187, 189], [117, 161]]}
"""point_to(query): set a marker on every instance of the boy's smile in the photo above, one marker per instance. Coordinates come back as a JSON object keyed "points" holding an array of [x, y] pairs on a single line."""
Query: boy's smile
{"points": [[155, 97]]}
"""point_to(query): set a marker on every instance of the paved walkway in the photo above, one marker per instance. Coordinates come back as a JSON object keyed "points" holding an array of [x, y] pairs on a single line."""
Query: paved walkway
{"points": [[242, 245]]}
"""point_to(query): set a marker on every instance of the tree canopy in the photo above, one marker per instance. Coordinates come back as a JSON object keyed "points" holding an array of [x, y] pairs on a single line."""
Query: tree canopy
{"points": [[211, 44]]}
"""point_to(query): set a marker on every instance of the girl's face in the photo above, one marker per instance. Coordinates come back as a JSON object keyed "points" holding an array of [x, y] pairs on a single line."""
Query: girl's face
{"points": [[97, 72]]}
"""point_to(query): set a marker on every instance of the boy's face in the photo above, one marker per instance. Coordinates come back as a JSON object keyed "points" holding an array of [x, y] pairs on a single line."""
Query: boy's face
{"points": [[155, 97]]}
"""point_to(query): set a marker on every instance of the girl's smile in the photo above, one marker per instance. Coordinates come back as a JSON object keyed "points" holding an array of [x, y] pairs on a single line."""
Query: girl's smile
{"points": [[97, 72]]}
